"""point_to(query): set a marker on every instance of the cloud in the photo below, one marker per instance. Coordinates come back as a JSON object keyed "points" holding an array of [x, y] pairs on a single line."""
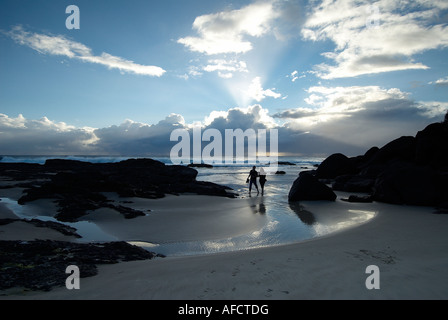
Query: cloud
{"points": [[227, 31], [61, 46], [297, 113], [337, 119], [376, 38], [137, 139], [361, 115], [294, 76], [195, 71], [440, 82], [225, 68], [257, 93], [252, 117], [20, 136]]}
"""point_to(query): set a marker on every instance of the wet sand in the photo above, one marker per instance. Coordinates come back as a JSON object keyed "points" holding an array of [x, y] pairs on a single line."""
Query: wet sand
{"points": [[408, 244]]}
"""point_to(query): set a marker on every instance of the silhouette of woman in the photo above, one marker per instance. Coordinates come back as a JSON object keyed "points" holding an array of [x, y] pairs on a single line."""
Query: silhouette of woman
{"points": [[262, 180]]}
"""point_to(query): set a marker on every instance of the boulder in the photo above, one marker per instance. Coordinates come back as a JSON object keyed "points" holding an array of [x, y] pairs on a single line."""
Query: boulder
{"points": [[410, 184], [408, 170], [335, 165], [399, 149], [353, 183], [432, 146], [308, 187], [370, 154]]}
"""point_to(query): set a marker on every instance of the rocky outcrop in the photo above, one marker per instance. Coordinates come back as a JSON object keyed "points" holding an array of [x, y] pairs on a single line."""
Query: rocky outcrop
{"points": [[409, 183], [200, 165], [59, 227], [285, 163], [308, 187], [353, 183], [408, 170], [41, 264], [335, 165], [78, 186]]}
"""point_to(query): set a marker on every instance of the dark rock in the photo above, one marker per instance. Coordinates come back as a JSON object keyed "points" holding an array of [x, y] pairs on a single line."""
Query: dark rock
{"points": [[61, 164], [399, 149], [335, 165], [200, 165], [23, 171], [280, 172], [370, 154], [432, 146], [307, 187], [62, 228], [408, 170], [353, 183], [41, 264], [408, 183], [285, 163], [77, 186], [324, 181], [372, 171], [127, 212]]}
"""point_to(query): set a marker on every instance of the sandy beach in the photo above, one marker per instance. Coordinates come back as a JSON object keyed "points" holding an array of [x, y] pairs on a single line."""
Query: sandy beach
{"points": [[408, 244], [238, 150]]}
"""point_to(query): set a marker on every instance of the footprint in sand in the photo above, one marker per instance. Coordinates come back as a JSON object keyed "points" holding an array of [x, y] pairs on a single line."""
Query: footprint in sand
{"points": [[386, 256]]}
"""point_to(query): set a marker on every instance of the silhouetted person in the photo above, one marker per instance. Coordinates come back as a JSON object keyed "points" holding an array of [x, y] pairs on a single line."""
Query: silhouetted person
{"points": [[253, 174], [262, 180]]}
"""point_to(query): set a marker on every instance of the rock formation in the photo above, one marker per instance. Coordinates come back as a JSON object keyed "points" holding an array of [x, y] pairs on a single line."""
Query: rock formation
{"points": [[408, 170]]}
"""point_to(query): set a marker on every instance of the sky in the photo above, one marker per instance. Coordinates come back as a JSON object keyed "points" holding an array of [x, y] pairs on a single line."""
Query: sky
{"points": [[331, 76]]}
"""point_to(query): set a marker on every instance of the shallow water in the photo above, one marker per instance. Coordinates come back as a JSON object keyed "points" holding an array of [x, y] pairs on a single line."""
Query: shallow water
{"points": [[89, 231], [285, 222]]}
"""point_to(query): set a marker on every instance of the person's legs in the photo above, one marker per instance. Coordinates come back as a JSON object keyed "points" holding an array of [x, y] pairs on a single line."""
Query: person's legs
{"points": [[254, 182], [256, 186]]}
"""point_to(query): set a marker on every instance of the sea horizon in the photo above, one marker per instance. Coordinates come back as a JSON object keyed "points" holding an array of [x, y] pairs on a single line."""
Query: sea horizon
{"points": [[40, 159]]}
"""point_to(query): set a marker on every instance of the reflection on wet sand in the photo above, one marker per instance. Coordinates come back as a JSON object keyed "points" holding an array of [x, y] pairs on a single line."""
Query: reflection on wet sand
{"points": [[304, 215], [258, 206]]}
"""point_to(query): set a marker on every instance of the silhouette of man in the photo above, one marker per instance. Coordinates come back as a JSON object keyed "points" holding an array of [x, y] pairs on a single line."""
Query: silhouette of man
{"points": [[253, 174]]}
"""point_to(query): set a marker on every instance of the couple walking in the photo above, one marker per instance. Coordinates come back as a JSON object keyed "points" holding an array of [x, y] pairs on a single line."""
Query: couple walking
{"points": [[252, 179]]}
